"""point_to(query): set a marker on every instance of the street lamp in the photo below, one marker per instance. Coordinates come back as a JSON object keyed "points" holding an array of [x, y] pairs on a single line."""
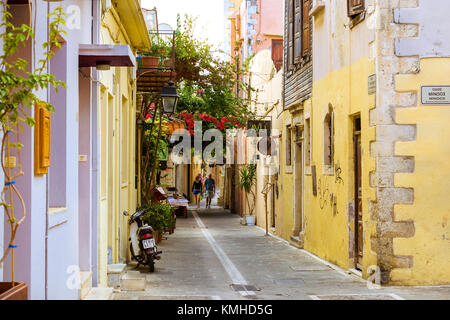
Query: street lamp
{"points": [[169, 97], [139, 123]]}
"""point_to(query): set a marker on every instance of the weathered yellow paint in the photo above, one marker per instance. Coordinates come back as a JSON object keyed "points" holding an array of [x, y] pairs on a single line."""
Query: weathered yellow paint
{"points": [[430, 245], [329, 226], [117, 149], [285, 218]]}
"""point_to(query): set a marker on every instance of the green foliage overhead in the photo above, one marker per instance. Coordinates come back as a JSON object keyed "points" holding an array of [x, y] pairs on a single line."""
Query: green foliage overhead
{"points": [[17, 85], [199, 66]]}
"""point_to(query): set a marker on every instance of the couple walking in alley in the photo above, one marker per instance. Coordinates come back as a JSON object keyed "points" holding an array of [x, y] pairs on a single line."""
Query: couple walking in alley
{"points": [[198, 187]]}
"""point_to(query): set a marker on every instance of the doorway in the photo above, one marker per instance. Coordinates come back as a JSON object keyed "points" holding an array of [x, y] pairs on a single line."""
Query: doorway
{"points": [[359, 241], [297, 232]]}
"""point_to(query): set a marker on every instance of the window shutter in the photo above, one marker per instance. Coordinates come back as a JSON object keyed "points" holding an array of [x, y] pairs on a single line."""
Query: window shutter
{"points": [[355, 7], [290, 39], [297, 30], [306, 30]]}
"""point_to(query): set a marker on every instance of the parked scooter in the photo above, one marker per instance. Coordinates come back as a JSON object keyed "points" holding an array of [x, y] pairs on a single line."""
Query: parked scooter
{"points": [[143, 247]]}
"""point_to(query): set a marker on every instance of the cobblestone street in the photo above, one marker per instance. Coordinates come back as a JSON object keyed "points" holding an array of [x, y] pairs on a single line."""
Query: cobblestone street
{"points": [[210, 251]]}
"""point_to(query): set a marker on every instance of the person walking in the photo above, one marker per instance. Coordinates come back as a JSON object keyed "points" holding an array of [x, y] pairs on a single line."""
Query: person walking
{"points": [[197, 189], [210, 186]]}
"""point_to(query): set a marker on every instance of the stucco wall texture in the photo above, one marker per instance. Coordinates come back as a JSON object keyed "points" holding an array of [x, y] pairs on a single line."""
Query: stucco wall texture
{"points": [[404, 190]]}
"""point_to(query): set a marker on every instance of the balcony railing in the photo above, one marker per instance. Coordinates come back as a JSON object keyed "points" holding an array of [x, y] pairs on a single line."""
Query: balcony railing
{"points": [[154, 75]]}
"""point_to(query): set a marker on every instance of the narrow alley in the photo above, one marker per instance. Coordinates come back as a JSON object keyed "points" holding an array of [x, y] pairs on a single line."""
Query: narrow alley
{"points": [[210, 251]]}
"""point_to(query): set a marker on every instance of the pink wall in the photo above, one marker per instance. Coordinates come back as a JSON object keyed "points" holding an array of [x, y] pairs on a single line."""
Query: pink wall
{"points": [[84, 170], [23, 237], [272, 17]]}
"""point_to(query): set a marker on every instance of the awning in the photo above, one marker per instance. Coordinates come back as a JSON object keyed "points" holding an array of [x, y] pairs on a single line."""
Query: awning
{"points": [[115, 55]]}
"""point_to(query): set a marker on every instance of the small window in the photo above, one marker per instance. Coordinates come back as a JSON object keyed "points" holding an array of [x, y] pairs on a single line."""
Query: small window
{"points": [[288, 146], [329, 138]]}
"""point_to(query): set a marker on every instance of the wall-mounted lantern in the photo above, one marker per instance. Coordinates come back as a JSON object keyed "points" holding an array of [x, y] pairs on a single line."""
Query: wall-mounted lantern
{"points": [[170, 98]]}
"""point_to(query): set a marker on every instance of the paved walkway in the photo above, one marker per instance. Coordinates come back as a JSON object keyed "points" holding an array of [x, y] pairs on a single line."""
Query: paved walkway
{"points": [[210, 251]]}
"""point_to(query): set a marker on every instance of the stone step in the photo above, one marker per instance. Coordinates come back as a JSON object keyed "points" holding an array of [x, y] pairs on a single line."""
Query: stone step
{"points": [[115, 272], [132, 281], [100, 293], [85, 283]]}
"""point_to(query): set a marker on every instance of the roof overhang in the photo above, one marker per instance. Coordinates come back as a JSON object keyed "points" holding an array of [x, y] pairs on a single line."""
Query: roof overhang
{"points": [[115, 55], [133, 21]]}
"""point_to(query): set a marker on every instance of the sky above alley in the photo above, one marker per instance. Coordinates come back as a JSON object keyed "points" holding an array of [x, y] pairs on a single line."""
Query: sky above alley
{"points": [[210, 23]]}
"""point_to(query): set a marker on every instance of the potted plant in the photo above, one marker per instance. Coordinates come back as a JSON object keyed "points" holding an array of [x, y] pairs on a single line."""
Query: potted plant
{"points": [[158, 52], [18, 89], [246, 183], [148, 61], [159, 217]]}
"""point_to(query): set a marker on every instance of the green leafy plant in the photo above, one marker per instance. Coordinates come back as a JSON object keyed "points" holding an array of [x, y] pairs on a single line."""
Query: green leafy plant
{"points": [[247, 181], [17, 95], [160, 216]]}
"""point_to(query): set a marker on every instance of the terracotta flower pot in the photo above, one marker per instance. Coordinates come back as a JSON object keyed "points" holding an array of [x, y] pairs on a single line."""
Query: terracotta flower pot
{"points": [[156, 236], [150, 62], [168, 63], [159, 238], [18, 292]]}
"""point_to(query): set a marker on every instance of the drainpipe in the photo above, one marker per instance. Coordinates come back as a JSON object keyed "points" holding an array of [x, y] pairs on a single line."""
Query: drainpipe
{"points": [[94, 146], [259, 12]]}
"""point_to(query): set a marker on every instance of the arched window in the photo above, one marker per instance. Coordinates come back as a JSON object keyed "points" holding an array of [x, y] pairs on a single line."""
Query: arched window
{"points": [[328, 136]]}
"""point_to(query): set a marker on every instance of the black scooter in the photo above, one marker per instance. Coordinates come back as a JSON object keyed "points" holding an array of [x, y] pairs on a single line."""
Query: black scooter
{"points": [[142, 241]]}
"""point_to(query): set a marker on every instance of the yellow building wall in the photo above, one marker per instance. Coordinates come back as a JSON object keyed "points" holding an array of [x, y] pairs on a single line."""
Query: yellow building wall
{"points": [[117, 153], [430, 245], [285, 216], [328, 229]]}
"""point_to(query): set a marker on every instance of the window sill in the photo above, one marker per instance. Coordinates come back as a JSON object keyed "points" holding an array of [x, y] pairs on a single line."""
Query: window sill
{"points": [[357, 19], [56, 210]]}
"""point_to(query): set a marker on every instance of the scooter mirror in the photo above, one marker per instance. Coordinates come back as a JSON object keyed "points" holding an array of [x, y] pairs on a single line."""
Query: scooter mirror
{"points": [[125, 213]]}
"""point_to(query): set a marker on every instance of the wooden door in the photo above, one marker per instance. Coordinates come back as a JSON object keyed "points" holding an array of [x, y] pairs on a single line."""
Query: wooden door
{"points": [[359, 241], [277, 53]]}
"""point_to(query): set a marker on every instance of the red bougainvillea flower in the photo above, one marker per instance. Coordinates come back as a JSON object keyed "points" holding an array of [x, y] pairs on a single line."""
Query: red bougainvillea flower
{"points": [[148, 116]]}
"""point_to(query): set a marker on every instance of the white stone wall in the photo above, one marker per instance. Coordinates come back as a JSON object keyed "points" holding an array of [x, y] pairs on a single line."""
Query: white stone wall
{"points": [[389, 35]]}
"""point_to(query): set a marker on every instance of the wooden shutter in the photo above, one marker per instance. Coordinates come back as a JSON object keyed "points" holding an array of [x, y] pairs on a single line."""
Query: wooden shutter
{"points": [[290, 39], [297, 30], [355, 7], [306, 30]]}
